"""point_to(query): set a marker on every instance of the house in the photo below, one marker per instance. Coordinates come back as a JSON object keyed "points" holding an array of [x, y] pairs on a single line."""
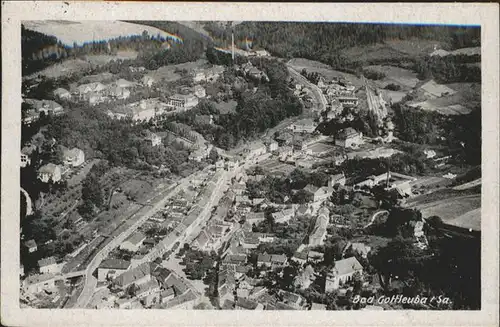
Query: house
{"points": [[95, 87], [74, 157], [137, 275], [26, 155], [283, 216], [167, 295], [49, 172], [117, 92], [111, 268], [250, 242], [315, 256], [48, 107], [199, 91], [264, 259], [278, 260], [182, 102], [373, 180], [306, 125], [255, 150], [147, 81], [300, 257], [31, 246], [349, 138], [148, 288], [319, 193], [226, 285], [255, 217], [342, 273], [348, 101], [337, 179], [318, 306], [21, 270], [34, 284], [233, 260], [284, 138], [133, 242], [292, 299], [434, 90], [303, 209], [62, 94], [48, 265], [202, 241], [271, 146], [123, 83], [430, 154], [177, 284], [153, 139]]}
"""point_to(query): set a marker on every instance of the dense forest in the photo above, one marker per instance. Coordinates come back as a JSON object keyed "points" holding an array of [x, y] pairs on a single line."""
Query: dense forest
{"points": [[324, 41]]}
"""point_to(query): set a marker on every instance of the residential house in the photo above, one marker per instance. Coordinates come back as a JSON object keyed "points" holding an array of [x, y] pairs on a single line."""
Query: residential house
{"points": [[271, 146], [94, 87], [117, 92], [177, 284], [48, 107], [264, 259], [430, 154], [48, 266], [26, 155], [292, 299], [199, 91], [137, 275], [31, 246], [202, 241], [74, 157], [342, 272], [133, 242], [337, 179], [256, 150], [49, 172], [167, 295], [278, 260], [349, 138], [285, 138], [148, 292], [306, 125], [300, 257], [233, 260], [348, 101], [373, 180], [111, 268], [153, 139], [62, 94], [239, 189], [182, 102], [250, 242], [303, 210], [226, 284], [315, 256], [147, 81], [255, 217], [319, 193], [284, 215], [34, 284]]}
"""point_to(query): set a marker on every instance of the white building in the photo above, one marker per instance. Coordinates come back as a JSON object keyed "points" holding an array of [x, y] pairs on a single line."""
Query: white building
{"points": [[49, 172], [48, 265], [62, 94], [342, 273], [74, 157], [182, 102], [153, 139], [349, 138], [199, 91]]}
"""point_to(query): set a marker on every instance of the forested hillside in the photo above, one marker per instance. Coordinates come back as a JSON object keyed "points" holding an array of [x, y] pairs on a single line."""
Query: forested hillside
{"points": [[325, 41]]}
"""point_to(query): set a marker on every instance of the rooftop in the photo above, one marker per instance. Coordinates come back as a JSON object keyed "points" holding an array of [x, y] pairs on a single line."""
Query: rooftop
{"points": [[115, 264], [130, 276], [47, 261], [136, 238], [347, 266]]}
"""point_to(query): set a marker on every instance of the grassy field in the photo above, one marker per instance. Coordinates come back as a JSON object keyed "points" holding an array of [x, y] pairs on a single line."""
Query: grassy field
{"points": [[168, 73], [451, 208], [403, 77], [63, 68], [447, 105]]}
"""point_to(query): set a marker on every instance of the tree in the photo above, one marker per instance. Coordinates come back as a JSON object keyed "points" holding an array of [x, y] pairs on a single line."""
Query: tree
{"points": [[213, 156]]}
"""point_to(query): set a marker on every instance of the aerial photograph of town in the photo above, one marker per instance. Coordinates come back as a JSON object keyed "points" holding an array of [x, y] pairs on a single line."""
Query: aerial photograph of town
{"points": [[250, 165]]}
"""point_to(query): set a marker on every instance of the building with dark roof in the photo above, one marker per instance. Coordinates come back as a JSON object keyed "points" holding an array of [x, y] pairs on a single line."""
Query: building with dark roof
{"points": [[110, 268]]}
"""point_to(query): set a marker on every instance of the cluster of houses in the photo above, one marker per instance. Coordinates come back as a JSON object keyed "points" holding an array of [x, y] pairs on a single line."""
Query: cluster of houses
{"points": [[339, 94], [51, 172], [250, 71], [39, 107]]}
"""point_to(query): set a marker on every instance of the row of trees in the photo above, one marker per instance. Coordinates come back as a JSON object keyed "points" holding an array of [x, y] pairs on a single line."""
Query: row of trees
{"points": [[449, 69]]}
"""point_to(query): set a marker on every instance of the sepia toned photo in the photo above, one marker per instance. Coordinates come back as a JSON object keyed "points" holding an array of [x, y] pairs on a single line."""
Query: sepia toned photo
{"points": [[250, 165], [214, 165]]}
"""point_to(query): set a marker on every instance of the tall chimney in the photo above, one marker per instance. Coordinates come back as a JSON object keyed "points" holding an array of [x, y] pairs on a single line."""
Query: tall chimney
{"points": [[232, 44]]}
